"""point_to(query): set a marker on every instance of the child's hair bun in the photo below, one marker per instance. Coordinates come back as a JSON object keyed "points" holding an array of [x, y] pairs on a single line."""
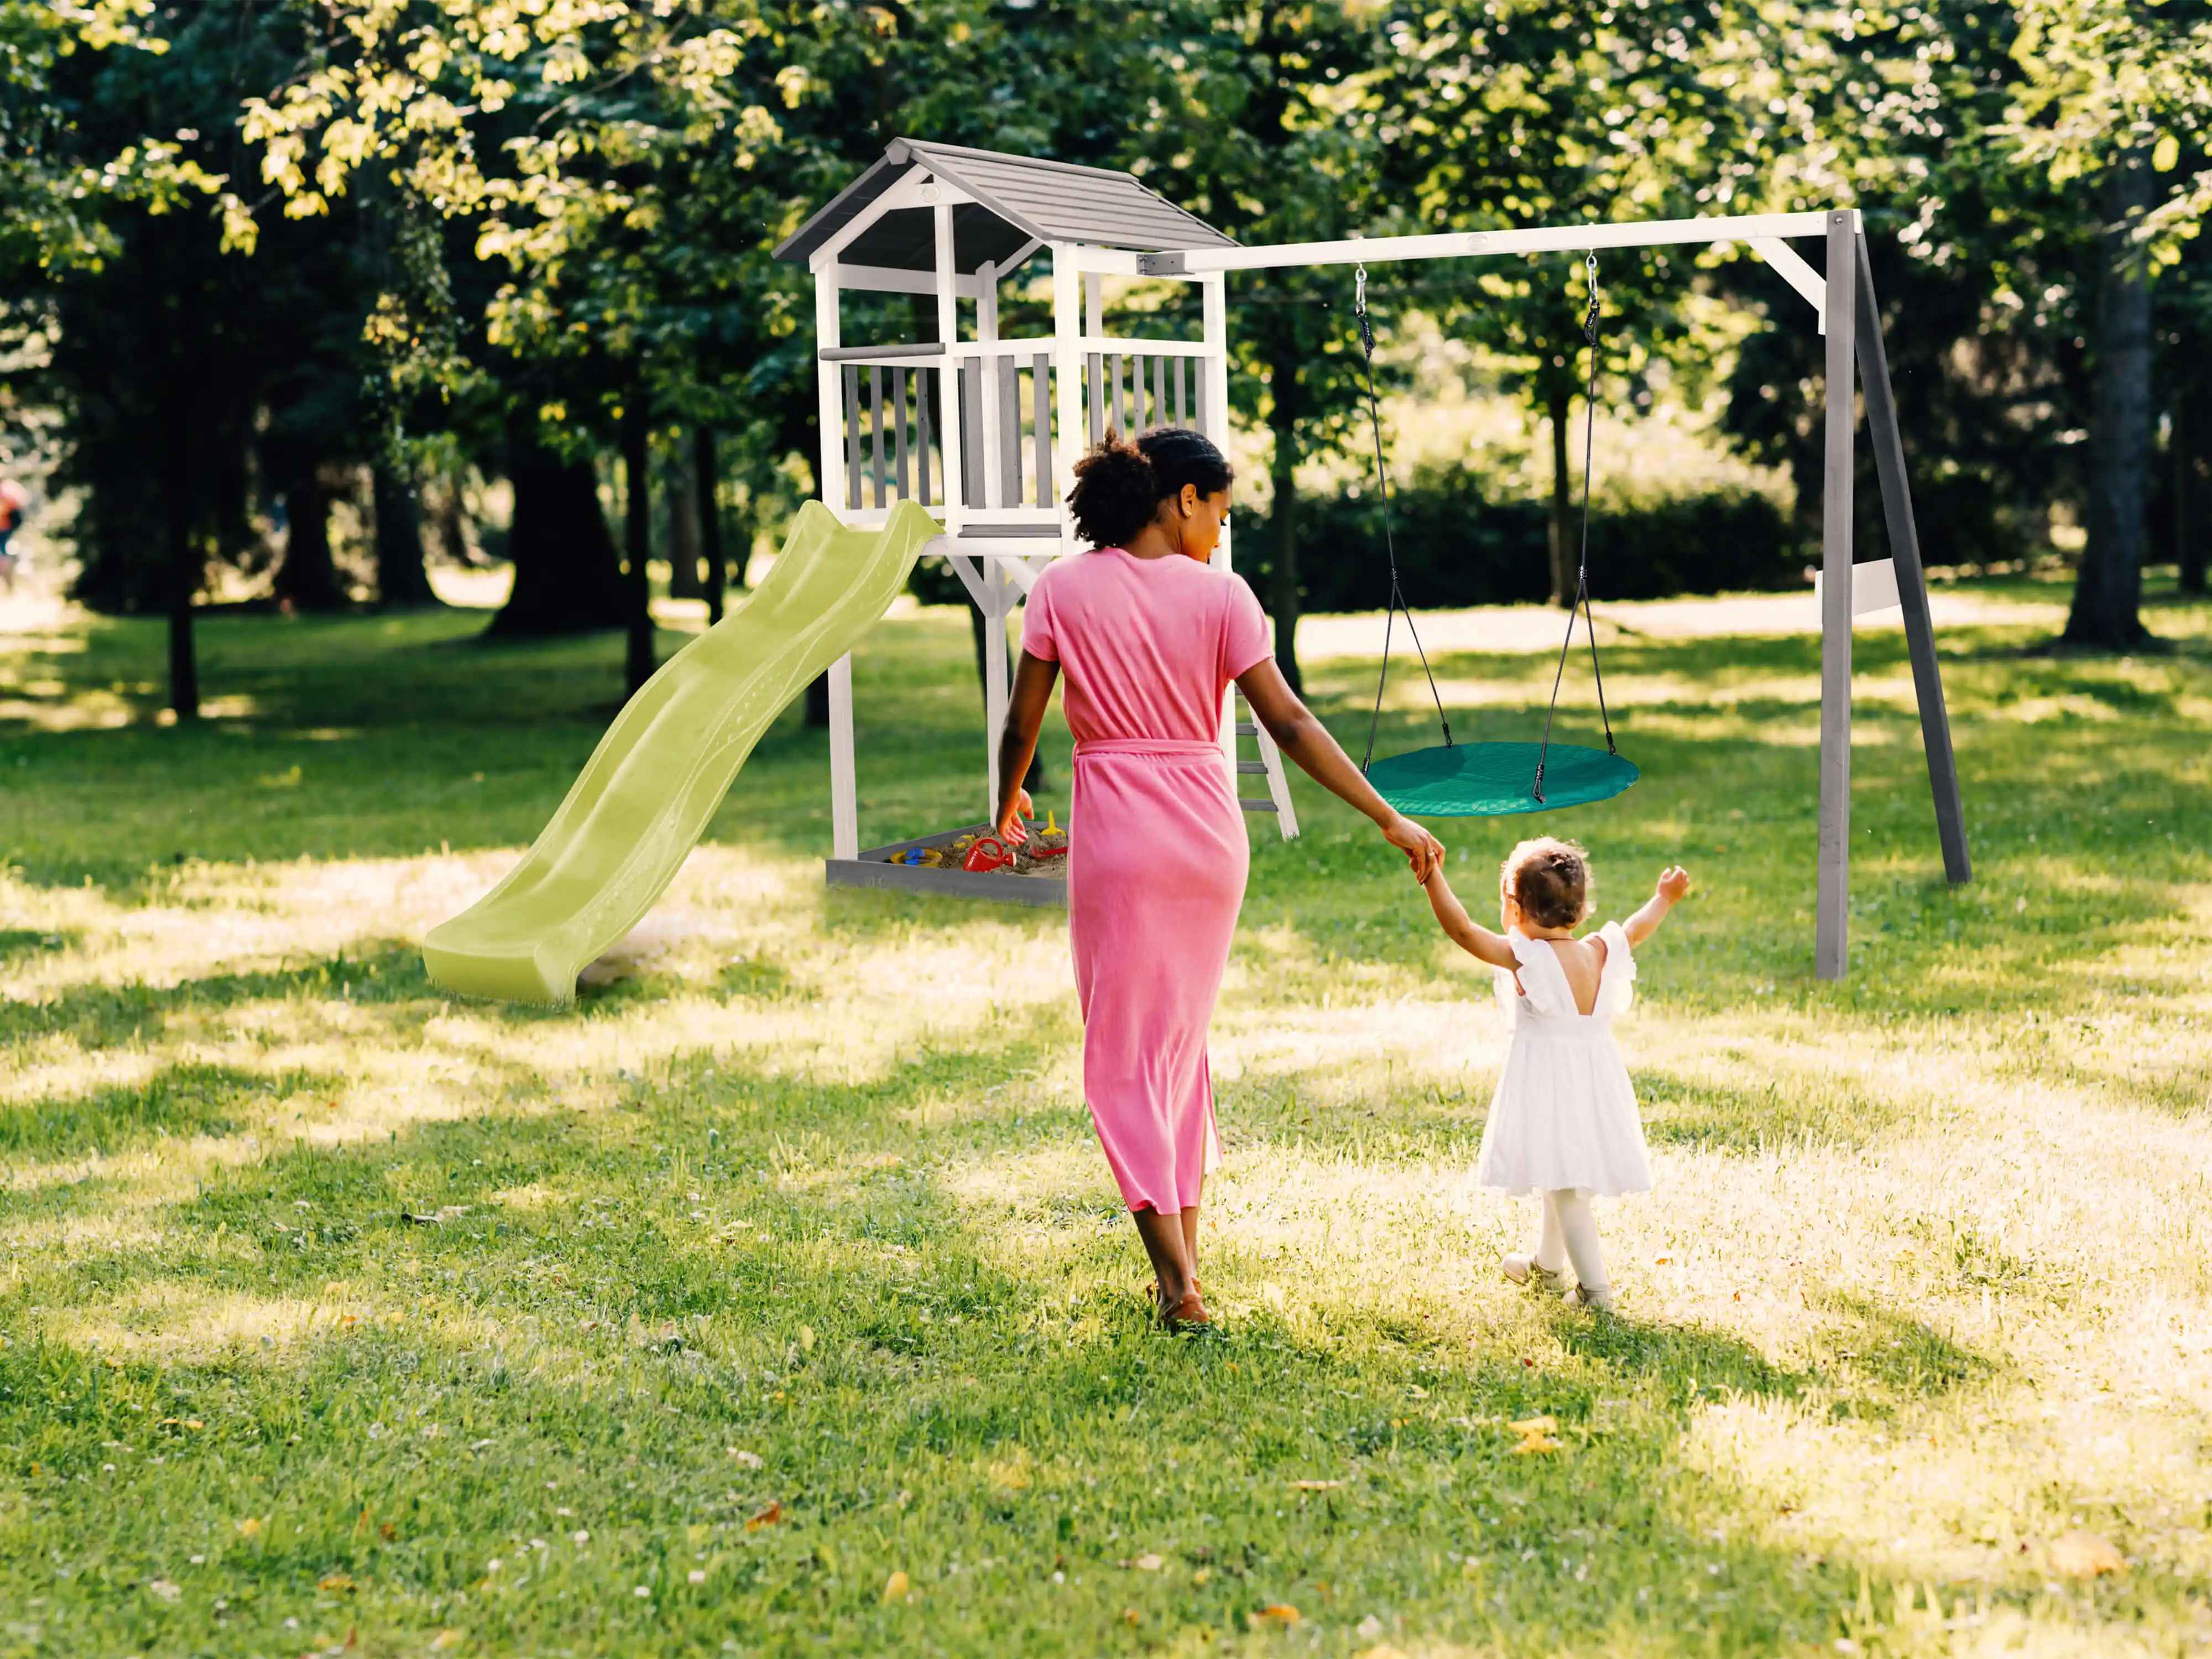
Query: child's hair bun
{"points": [[1550, 879]]}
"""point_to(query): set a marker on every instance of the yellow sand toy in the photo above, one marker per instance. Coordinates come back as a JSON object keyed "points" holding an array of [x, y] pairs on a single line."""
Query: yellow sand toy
{"points": [[644, 796]]}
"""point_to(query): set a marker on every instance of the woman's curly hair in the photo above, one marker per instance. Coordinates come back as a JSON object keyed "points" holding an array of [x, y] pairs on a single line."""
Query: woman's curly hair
{"points": [[1119, 485], [1550, 879]]}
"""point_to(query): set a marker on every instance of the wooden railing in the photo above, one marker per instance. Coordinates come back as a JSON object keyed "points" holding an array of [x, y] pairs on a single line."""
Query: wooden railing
{"points": [[1136, 388], [893, 400]]}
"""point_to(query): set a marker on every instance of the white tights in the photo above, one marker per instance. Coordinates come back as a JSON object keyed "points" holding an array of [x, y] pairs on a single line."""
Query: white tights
{"points": [[1569, 1234]]}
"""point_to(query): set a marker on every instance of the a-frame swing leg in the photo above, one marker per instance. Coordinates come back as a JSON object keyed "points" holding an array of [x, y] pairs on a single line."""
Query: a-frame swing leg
{"points": [[1911, 579], [1833, 893], [1854, 338]]}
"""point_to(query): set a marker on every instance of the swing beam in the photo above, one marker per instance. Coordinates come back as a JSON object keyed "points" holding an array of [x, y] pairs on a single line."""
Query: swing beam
{"points": [[1843, 299]]}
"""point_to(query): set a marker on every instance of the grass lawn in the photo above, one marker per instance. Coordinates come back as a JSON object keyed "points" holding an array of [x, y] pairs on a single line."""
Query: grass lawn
{"points": [[777, 1300]]}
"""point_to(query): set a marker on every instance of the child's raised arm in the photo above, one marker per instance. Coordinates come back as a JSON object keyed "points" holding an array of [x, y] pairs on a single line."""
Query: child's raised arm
{"points": [[1674, 882], [1470, 935]]}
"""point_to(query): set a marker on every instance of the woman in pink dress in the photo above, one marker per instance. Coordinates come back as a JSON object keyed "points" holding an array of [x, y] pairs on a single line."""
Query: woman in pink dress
{"points": [[1150, 639]]}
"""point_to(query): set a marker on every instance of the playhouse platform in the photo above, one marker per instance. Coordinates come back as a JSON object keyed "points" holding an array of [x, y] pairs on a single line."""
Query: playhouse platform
{"points": [[874, 868]]}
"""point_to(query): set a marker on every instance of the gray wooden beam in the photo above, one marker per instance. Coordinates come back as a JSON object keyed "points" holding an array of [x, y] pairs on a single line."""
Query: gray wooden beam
{"points": [[1833, 896], [1911, 579]]}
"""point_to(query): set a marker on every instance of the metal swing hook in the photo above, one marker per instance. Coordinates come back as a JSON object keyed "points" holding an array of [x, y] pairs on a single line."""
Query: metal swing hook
{"points": [[1359, 310], [1589, 319]]}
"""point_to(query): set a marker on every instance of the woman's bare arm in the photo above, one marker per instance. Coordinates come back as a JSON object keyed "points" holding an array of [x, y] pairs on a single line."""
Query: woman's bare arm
{"points": [[1034, 678], [1470, 935], [1307, 741]]}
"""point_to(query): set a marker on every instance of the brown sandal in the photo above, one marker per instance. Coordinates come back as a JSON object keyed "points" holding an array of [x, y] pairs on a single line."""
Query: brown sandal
{"points": [[1189, 1314]]}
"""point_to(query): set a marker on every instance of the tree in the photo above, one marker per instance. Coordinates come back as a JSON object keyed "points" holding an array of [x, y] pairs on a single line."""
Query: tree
{"points": [[81, 89], [1981, 267], [1516, 114], [2109, 94], [1267, 132]]}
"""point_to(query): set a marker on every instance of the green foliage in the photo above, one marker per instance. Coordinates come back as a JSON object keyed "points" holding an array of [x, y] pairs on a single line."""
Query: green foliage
{"points": [[1460, 542]]}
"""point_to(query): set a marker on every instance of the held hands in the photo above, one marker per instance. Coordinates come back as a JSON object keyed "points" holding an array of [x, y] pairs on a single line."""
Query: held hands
{"points": [[1423, 851], [1673, 884], [1009, 826]]}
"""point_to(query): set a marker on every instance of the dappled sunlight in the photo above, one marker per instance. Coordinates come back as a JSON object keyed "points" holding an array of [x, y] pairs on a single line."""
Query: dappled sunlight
{"points": [[800, 1204], [173, 1323]]}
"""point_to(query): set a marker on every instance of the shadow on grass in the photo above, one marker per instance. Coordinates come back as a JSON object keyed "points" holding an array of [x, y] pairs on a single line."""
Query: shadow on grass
{"points": [[190, 1098], [96, 1016], [18, 943], [720, 1260], [1699, 1116], [1885, 1360]]}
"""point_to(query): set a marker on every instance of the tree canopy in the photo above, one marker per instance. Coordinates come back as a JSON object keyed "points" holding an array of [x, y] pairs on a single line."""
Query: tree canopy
{"points": [[415, 236]]}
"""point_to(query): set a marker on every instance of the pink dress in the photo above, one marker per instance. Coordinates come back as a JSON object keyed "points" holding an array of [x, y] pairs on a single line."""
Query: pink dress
{"points": [[1157, 855]]}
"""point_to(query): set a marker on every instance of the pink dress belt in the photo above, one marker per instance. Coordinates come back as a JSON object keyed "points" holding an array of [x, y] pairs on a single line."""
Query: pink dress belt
{"points": [[1164, 746]]}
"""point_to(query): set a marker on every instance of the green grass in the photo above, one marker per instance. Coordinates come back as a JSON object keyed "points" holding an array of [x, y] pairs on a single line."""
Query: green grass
{"points": [[337, 1311]]}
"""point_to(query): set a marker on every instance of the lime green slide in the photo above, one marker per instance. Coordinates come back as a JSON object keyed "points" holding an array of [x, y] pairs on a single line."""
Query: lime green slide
{"points": [[645, 794]]}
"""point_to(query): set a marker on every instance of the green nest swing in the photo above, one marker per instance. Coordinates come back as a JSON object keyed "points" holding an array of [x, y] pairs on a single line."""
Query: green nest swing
{"points": [[1490, 780]]}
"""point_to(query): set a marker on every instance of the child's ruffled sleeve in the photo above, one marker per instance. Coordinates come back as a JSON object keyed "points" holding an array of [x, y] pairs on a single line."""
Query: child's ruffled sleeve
{"points": [[1617, 986]]}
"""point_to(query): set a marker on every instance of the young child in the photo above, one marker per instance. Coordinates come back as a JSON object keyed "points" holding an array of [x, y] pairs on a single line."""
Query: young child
{"points": [[1564, 1123]]}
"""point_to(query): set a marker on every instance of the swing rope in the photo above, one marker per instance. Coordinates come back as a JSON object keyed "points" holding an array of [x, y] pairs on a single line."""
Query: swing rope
{"points": [[1389, 550], [1581, 572]]}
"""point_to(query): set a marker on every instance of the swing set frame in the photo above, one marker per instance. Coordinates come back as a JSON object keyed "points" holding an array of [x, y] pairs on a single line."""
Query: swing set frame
{"points": [[1844, 302], [1007, 420]]}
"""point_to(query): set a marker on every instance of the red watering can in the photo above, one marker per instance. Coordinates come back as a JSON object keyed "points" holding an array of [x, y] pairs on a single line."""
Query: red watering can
{"points": [[988, 854]]}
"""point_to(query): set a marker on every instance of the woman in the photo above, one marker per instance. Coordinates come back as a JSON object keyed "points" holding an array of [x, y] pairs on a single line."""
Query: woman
{"points": [[1150, 639]]}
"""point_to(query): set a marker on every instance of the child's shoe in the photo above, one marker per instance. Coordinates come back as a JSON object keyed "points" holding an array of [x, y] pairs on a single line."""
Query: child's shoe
{"points": [[1583, 1296], [1520, 1268]]}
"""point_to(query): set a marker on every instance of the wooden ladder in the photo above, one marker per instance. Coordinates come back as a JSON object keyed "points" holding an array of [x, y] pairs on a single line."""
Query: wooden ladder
{"points": [[1269, 766]]}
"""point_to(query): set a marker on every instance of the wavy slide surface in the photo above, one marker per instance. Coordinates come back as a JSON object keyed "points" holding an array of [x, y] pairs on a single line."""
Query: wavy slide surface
{"points": [[644, 798]]}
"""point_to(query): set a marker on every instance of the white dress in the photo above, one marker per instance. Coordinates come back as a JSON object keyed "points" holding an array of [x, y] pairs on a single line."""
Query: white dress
{"points": [[1565, 1114]]}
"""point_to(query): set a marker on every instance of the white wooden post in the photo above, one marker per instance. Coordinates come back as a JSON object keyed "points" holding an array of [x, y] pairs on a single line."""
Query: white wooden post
{"points": [[1001, 593], [1094, 303], [844, 791], [987, 334], [830, 391], [1831, 910], [948, 330], [1068, 380], [1213, 299]]}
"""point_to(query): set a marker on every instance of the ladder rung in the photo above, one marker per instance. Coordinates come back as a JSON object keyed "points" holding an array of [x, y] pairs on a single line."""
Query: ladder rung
{"points": [[1247, 729], [1251, 805], [1252, 766]]}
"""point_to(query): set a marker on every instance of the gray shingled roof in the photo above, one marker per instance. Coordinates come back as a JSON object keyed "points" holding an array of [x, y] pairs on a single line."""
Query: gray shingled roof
{"points": [[1017, 198]]}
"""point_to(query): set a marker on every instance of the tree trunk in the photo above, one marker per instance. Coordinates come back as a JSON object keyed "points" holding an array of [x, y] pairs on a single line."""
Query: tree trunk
{"points": [[309, 580], [1558, 407], [706, 475], [2187, 511], [186, 569], [2108, 592], [1283, 516], [637, 540], [567, 578], [449, 514], [402, 580], [680, 491]]}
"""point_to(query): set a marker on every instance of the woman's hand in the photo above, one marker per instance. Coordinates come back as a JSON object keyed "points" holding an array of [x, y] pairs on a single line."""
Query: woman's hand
{"points": [[1009, 826], [1423, 850]]}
